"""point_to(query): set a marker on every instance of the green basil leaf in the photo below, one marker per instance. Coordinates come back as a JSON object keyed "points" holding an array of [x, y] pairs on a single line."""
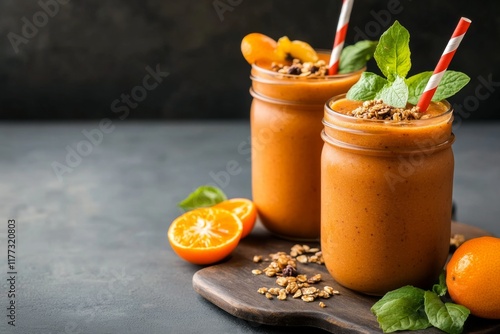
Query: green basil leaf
{"points": [[394, 93], [354, 57], [448, 317], [416, 85], [367, 87], [440, 288], [450, 84], [401, 309], [393, 52], [203, 196]]}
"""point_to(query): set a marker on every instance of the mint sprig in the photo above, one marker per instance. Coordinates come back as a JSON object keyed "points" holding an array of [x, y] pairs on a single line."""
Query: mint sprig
{"points": [[354, 57], [392, 55], [411, 308], [203, 196]]}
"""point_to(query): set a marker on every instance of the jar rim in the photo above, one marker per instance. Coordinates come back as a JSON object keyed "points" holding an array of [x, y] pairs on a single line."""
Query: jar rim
{"points": [[288, 78], [338, 124], [448, 114], [386, 152]]}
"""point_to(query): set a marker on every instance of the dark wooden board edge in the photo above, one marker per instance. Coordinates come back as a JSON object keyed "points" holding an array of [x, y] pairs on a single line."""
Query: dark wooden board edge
{"points": [[256, 308], [209, 284]]}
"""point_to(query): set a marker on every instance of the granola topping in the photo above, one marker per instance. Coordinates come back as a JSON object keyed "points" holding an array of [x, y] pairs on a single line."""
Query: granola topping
{"points": [[283, 266], [302, 69], [377, 109]]}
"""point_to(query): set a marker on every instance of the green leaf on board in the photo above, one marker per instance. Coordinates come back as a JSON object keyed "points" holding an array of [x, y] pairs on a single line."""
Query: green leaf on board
{"points": [[440, 288], [401, 309], [448, 317]]}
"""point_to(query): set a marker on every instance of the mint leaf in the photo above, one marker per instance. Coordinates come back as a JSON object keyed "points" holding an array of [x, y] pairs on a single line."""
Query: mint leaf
{"points": [[440, 288], [394, 93], [401, 309], [203, 196], [354, 57], [450, 84], [393, 52], [416, 85], [447, 317], [367, 87]]}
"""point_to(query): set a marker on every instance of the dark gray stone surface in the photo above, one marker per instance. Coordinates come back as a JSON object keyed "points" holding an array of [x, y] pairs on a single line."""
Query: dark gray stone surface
{"points": [[76, 63], [92, 250]]}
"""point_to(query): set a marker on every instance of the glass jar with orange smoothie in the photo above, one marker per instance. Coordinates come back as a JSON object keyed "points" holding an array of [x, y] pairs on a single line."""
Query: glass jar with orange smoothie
{"points": [[286, 115], [386, 197]]}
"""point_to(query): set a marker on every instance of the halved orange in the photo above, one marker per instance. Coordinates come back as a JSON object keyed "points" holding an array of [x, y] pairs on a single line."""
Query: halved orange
{"points": [[205, 235], [245, 209]]}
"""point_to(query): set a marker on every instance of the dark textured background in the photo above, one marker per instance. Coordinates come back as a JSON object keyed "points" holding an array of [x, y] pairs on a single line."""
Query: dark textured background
{"points": [[90, 52]]}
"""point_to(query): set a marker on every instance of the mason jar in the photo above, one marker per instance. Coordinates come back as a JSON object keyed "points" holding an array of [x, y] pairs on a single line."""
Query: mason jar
{"points": [[286, 126], [386, 198]]}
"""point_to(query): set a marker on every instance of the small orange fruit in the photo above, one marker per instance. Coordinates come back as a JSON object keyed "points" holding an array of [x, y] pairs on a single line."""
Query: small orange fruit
{"points": [[205, 235], [473, 276], [245, 209], [257, 46]]}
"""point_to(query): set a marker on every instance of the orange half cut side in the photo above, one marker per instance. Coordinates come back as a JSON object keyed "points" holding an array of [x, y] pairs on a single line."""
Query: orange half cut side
{"points": [[206, 235]]}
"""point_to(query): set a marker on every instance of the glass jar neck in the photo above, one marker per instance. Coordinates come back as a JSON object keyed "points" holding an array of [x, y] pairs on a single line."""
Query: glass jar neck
{"points": [[275, 87], [381, 137]]}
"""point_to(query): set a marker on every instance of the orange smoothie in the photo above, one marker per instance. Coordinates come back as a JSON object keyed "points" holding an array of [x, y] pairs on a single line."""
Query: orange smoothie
{"points": [[386, 198], [286, 143]]}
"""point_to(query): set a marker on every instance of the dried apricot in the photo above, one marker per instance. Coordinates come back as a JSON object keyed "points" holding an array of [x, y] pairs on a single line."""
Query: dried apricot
{"points": [[257, 46]]}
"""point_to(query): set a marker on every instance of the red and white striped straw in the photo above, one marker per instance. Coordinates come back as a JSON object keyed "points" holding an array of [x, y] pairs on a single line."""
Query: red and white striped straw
{"points": [[443, 63], [338, 44]]}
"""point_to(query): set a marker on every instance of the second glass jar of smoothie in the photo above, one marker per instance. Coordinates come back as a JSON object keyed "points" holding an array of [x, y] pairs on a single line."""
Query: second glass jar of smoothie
{"points": [[286, 116], [386, 198]]}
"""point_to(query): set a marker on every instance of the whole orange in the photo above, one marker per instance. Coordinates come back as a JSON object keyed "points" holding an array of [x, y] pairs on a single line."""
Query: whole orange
{"points": [[473, 276]]}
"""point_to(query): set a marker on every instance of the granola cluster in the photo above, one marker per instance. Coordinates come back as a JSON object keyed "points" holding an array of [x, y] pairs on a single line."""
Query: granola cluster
{"points": [[298, 68], [289, 281], [377, 109]]}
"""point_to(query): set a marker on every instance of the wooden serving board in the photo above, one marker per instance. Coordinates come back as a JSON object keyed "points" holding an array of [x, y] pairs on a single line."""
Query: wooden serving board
{"points": [[231, 286]]}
